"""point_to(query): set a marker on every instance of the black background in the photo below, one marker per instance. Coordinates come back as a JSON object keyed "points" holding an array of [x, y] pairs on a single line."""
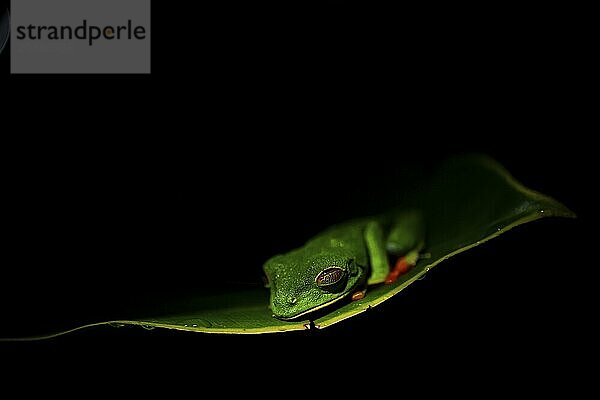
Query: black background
{"points": [[4, 55], [121, 192]]}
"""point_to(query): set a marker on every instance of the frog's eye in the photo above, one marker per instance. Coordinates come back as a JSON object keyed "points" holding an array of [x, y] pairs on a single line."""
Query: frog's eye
{"points": [[330, 278]]}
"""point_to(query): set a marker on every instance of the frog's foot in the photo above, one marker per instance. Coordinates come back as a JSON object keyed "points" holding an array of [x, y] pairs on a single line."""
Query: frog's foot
{"points": [[360, 294], [402, 266]]}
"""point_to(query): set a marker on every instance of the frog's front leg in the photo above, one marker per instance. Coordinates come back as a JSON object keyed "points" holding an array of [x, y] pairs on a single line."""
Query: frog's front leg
{"points": [[378, 258]]}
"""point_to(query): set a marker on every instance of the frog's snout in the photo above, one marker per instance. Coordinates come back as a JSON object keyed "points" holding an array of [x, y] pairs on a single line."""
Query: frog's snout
{"points": [[285, 307]]}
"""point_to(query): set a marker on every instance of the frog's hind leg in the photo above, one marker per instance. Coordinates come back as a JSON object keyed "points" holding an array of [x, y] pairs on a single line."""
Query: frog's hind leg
{"points": [[406, 233], [402, 266], [405, 240]]}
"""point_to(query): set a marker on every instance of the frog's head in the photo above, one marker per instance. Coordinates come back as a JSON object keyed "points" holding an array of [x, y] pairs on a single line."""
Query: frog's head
{"points": [[300, 285]]}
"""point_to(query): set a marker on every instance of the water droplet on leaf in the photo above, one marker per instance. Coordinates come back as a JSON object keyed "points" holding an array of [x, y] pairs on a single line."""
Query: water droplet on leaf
{"points": [[424, 275]]}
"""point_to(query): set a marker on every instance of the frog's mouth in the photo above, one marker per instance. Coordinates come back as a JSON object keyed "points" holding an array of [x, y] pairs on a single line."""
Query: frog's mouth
{"points": [[314, 309], [324, 308]]}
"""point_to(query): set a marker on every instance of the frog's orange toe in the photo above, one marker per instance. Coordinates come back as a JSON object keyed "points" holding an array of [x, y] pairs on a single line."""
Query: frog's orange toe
{"points": [[402, 266], [358, 295]]}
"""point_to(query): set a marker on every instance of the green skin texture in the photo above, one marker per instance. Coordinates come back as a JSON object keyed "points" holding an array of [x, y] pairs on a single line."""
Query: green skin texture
{"points": [[360, 248]]}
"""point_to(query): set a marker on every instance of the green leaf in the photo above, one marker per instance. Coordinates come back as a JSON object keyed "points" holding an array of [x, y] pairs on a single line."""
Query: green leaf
{"points": [[467, 202]]}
